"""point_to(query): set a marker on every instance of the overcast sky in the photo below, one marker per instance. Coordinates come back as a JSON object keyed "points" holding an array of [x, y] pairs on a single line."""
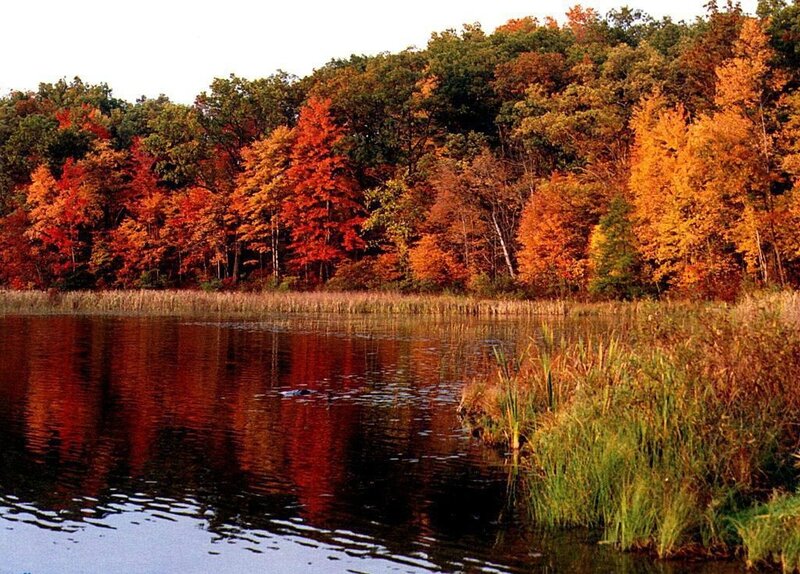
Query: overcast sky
{"points": [[176, 47]]}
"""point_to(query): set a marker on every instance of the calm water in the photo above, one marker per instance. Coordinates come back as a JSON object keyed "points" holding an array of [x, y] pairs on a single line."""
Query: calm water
{"points": [[170, 445]]}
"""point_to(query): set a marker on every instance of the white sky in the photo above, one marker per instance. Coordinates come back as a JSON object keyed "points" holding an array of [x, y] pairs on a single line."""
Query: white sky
{"points": [[176, 47]]}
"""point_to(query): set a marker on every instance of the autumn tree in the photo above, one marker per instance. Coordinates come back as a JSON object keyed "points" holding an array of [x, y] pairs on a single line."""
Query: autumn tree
{"points": [[660, 137], [136, 244], [454, 224], [232, 114], [323, 211], [546, 70], [478, 201], [554, 234], [704, 191], [747, 88], [21, 262], [688, 216], [435, 267], [194, 228], [261, 191], [62, 213]]}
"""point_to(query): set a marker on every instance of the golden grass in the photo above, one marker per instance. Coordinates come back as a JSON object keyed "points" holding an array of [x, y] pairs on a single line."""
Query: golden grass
{"points": [[190, 303]]}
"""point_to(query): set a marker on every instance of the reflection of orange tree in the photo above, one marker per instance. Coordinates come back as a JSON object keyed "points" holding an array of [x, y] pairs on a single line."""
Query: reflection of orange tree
{"points": [[192, 400], [317, 433], [13, 365], [315, 362], [181, 402], [63, 407], [316, 439], [60, 405], [254, 416], [312, 434], [260, 440], [165, 378], [138, 389]]}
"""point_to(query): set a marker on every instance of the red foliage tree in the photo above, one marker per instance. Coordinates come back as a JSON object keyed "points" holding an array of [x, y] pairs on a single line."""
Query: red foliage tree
{"points": [[194, 228], [137, 243], [19, 269], [323, 209], [62, 213]]}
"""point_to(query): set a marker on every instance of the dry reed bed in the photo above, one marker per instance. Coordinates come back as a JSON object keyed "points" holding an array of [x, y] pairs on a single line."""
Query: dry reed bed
{"points": [[261, 304]]}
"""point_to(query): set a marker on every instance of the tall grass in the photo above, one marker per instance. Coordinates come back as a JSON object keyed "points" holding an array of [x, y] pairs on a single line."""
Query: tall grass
{"points": [[259, 304], [663, 433], [772, 532]]}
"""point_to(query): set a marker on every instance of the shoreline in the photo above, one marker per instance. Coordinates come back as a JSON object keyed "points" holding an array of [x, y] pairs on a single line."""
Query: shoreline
{"points": [[245, 304]]}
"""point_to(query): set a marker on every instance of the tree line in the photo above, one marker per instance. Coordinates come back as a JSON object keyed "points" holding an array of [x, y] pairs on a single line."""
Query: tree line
{"points": [[611, 156]]}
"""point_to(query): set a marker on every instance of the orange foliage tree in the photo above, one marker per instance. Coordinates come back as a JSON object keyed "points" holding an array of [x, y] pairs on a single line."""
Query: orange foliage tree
{"points": [[63, 213], [323, 210], [554, 234], [432, 265]]}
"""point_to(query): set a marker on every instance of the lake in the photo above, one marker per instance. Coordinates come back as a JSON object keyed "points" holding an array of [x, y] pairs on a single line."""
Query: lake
{"points": [[297, 444]]}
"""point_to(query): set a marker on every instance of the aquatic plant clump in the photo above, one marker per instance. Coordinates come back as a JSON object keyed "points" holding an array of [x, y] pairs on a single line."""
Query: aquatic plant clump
{"points": [[669, 435]]}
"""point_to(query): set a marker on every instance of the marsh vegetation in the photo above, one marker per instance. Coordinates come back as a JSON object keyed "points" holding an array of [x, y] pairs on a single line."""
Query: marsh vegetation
{"points": [[677, 432]]}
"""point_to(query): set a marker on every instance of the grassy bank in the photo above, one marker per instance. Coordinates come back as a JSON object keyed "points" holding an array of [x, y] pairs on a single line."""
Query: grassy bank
{"points": [[260, 304], [677, 435]]}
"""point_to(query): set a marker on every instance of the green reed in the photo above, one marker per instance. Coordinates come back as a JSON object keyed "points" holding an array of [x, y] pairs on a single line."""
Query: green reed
{"points": [[771, 532]]}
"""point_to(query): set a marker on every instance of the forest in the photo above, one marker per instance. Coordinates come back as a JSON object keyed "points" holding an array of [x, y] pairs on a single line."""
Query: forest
{"points": [[599, 156]]}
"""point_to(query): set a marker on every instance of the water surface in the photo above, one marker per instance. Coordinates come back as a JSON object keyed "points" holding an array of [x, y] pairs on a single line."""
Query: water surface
{"points": [[292, 445]]}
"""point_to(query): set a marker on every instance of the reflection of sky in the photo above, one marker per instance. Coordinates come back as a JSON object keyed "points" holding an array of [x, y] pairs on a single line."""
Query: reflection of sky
{"points": [[184, 546]]}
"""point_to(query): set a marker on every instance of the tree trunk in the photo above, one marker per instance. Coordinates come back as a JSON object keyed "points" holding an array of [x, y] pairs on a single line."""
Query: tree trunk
{"points": [[275, 262], [761, 259], [503, 245], [237, 256]]}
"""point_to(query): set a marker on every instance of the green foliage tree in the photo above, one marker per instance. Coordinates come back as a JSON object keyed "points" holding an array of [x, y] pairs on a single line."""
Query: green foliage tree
{"points": [[614, 261]]}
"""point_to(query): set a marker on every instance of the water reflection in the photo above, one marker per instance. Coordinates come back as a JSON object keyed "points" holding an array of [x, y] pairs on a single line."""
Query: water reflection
{"points": [[171, 445]]}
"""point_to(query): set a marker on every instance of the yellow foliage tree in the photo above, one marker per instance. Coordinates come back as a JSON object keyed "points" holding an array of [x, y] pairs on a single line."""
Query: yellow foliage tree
{"points": [[260, 191], [660, 136], [703, 191]]}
